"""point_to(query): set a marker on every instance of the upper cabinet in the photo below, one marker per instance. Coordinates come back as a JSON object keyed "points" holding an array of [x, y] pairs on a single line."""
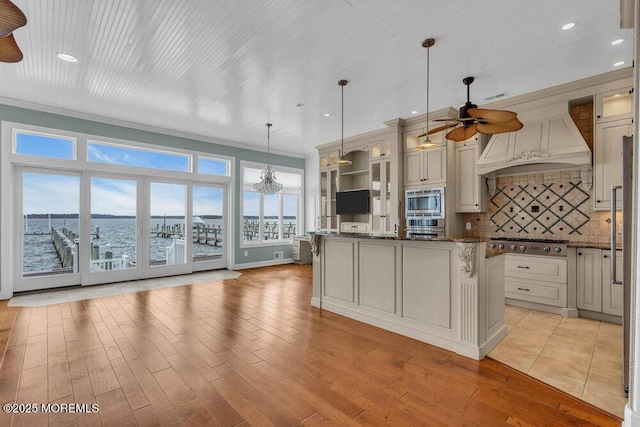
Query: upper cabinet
{"points": [[424, 167], [470, 188], [329, 159], [614, 105], [607, 161], [380, 149]]}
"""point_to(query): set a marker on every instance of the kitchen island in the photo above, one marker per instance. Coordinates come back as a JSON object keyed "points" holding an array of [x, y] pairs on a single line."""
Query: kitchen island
{"points": [[440, 291]]}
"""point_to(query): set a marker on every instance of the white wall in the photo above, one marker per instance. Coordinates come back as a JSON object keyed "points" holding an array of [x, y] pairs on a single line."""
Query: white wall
{"points": [[312, 189]]}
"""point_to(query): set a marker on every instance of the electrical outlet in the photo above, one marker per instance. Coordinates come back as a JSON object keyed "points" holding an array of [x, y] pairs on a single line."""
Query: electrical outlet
{"points": [[246, 253], [468, 225]]}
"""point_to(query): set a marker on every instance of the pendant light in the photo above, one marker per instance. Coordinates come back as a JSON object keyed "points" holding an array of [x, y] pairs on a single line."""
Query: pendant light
{"points": [[343, 161], [268, 183], [427, 144]]}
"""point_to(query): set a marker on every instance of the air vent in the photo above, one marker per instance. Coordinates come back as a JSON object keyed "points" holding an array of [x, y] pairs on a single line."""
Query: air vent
{"points": [[278, 255], [496, 96]]}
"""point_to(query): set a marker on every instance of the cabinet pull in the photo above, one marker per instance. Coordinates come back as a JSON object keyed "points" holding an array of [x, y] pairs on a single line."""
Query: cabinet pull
{"points": [[598, 201], [606, 256], [523, 289], [523, 266]]}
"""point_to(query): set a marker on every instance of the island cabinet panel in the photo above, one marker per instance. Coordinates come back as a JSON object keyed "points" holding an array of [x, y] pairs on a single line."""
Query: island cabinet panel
{"points": [[494, 276], [377, 276], [426, 273], [339, 269]]}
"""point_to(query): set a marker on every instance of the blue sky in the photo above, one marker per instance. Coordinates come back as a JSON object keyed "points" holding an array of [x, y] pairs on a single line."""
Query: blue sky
{"points": [[59, 194]]}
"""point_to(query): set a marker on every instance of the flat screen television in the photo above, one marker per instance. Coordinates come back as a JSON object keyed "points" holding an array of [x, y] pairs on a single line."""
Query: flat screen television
{"points": [[352, 202]]}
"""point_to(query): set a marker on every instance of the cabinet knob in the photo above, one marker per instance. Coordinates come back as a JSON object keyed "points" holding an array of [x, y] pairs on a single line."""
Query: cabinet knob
{"points": [[579, 253], [476, 204], [598, 201]]}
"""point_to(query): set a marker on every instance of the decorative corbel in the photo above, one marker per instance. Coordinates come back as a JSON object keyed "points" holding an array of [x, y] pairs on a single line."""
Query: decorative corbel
{"points": [[491, 183], [467, 256], [314, 240], [586, 176]]}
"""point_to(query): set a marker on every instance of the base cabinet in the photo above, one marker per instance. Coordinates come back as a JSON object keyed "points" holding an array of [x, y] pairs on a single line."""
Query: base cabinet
{"points": [[536, 279], [595, 290]]}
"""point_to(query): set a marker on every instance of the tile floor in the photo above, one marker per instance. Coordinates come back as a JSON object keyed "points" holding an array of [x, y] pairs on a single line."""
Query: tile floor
{"points": [[87, 292], [579, 356]]}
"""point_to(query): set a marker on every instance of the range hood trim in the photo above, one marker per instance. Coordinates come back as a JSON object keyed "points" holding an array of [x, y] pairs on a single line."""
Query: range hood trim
{"points": [[551, 141]]}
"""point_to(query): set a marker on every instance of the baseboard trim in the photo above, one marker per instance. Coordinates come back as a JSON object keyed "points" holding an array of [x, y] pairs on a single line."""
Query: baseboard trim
{"points": [[261, 264]]}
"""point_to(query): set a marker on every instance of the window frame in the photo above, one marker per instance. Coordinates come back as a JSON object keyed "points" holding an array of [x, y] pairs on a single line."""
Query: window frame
{"points": [[299, 207]]}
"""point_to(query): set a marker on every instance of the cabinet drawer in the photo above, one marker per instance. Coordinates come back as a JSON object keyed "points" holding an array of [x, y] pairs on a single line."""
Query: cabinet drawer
{"points": [[543, 293], [354, 227], [536, 268]]}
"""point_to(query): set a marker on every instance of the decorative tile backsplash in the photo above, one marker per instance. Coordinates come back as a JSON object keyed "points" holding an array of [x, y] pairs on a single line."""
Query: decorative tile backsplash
{"points": [[548, 205]]}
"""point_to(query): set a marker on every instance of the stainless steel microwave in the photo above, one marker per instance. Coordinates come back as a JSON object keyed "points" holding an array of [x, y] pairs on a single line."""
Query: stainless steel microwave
{"points": [[427, 202]]}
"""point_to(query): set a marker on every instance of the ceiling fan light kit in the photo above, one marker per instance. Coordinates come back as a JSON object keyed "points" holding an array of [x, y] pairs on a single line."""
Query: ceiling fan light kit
{"points": [[11, 18]]}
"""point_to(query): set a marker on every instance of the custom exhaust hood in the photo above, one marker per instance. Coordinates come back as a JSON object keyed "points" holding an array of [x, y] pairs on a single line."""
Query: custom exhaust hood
{"points": [[549, 140]]}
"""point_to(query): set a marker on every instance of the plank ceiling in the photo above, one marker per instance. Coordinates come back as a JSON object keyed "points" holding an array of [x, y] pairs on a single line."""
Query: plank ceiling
{"points": [[222, 69]]}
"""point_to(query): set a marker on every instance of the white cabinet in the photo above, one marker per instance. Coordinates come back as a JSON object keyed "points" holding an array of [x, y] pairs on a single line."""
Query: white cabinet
{"points": [[614, 105], [589, 279], [537, 279], [380, 149], [611, 294], [425, 167], [593, 281], [328, 189], [607, 162], [329, 159], [470, 188], [381, 211]]}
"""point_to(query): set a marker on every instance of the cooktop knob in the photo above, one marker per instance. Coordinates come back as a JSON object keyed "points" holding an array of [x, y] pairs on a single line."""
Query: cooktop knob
{"points": [[523, 248], [557, 249], [500, 245], [513, 247], [546, 249], [492, 245]]}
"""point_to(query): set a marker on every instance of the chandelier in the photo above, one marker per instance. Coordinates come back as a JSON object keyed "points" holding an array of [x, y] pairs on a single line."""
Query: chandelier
{"points": [[268, 183]]}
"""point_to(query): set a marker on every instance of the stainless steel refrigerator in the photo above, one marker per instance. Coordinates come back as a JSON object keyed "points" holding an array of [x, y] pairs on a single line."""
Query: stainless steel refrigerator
{"points": [[627, 209]]}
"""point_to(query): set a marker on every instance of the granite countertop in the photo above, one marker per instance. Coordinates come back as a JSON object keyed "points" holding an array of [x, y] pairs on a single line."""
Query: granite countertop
{"points": [[432, 239], [593, 245]]}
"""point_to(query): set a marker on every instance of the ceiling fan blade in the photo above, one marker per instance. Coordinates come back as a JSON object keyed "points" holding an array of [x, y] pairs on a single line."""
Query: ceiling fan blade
{"points": [[493, 128], [441, 128], [492, 116], [462, 133], [11, 17], [438, 129], [454, 119], [9, 50]]}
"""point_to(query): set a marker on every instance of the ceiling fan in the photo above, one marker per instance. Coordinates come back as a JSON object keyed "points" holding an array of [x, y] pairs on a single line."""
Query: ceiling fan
{"points": [[474, 120], [11, 18]]}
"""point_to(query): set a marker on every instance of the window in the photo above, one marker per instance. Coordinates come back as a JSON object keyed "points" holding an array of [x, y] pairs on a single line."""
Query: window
{"points": [[270, 218], [144, 158], [210, 166], [42, 145]]}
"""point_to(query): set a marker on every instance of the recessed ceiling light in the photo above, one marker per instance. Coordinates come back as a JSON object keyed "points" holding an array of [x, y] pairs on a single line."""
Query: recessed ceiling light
{"points": [[414, 112], [615, 42], [619, 63], [66, 57], [327, 114], [299, 104], [568, 26]]}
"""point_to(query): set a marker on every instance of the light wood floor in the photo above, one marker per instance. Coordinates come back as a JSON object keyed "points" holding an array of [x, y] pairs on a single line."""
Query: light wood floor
{"points": [[252, 351]]}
